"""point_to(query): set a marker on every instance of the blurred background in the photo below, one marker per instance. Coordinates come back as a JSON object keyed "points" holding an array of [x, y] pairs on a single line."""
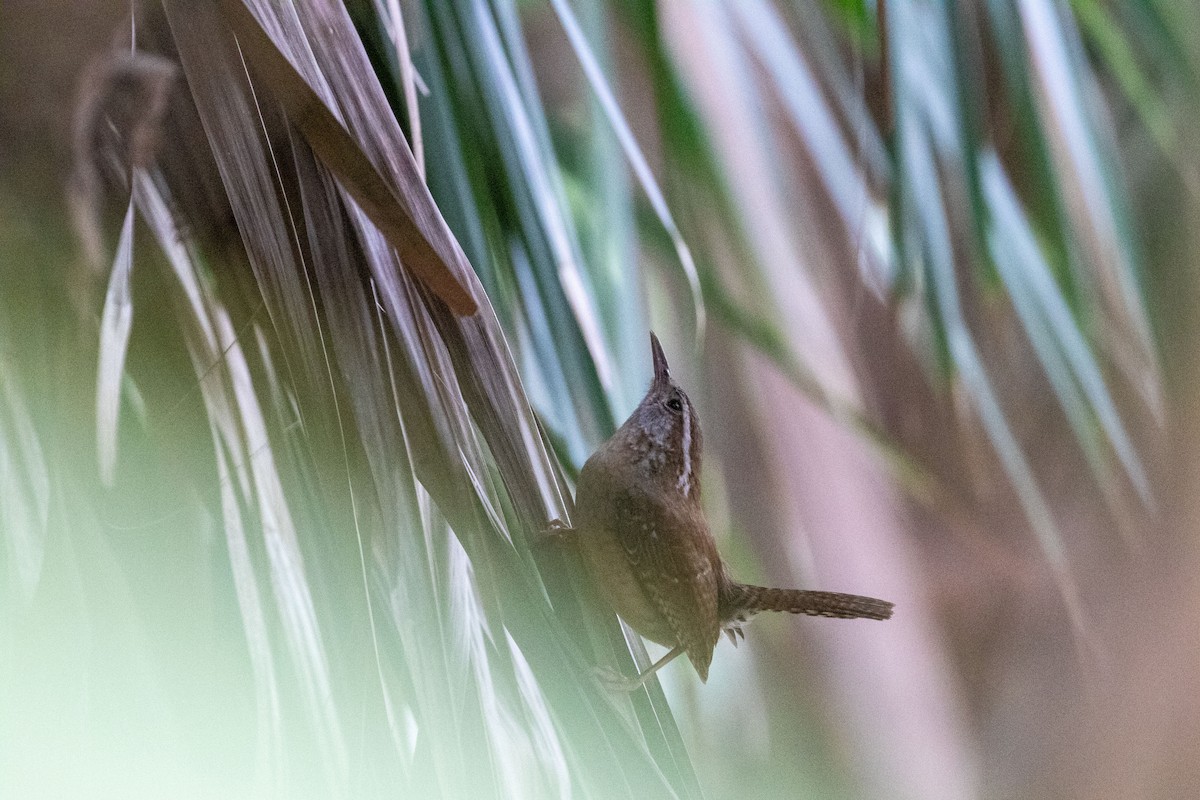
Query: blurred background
{"points": [[270, 507]]}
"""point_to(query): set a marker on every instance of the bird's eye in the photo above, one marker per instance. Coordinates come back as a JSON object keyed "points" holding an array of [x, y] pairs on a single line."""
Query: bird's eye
{"points": [[674, 404]]}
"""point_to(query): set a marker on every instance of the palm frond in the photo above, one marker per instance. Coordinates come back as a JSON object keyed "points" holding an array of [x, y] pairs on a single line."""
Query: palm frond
{"points": [[27, 487], [362, 285], [379, 376]]}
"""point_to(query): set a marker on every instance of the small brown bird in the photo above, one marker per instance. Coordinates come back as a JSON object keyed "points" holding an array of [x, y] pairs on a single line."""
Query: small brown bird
{"points": [[643, 534]]}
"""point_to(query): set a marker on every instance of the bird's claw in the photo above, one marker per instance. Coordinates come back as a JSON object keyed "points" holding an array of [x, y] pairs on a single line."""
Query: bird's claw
{"points": [[556, 531], [614, 681]]}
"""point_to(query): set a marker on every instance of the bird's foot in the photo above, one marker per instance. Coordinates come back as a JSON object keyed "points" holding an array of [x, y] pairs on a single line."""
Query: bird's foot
{"points": [[614, 681], [555, 532]]}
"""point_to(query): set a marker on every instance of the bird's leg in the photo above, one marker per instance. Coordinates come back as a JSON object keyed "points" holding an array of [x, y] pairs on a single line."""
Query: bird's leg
{"points": [[619, 683]]}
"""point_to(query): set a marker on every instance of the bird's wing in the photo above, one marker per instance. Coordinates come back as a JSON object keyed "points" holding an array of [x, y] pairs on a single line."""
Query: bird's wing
{"points": [[677, 565]]}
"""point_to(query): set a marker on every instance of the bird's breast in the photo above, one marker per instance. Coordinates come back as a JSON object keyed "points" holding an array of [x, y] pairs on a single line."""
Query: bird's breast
{"points": [[608, 566], [606, 560]]}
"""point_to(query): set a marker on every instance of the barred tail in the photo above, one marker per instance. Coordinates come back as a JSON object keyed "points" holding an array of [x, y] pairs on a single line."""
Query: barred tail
{"points": [[741, 600]]}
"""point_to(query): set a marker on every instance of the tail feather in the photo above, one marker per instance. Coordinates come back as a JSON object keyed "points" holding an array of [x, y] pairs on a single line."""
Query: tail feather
{"points": [[740, 601]]}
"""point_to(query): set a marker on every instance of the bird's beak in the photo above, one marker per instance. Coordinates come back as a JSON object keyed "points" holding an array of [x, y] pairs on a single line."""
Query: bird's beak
{"points": [[662, 372]]}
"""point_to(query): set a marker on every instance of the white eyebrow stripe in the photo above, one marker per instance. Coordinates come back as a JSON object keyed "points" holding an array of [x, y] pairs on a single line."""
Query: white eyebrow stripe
{"points": [[685, 474]]}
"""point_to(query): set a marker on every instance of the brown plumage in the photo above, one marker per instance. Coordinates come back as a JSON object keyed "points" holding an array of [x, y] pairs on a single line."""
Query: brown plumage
{"points": [[643, 534]]}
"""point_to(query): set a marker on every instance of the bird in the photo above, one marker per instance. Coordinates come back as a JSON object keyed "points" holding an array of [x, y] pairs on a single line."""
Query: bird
{"points": [[645, 540]]}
